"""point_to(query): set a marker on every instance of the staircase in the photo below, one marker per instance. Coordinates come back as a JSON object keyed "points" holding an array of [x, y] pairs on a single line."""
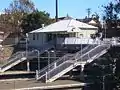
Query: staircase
{"points": [[19, 57], [70, 61]]}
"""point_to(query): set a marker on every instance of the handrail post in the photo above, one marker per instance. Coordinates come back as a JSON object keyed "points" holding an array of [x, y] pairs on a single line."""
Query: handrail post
{"points": [[37, 74], [64, 58], [46, 77], [88, 57], [82, 67], [55, 65]]}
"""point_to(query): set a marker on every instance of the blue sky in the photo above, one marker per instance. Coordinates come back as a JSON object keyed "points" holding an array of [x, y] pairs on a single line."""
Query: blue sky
{"points": [[74, 8]]}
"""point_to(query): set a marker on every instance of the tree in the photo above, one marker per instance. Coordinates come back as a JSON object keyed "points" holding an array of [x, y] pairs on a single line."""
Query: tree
{"points": [[117, 6], [110, 16], [15, 12], [108, 66], [21, 6], [95, 17], [35, 20]]}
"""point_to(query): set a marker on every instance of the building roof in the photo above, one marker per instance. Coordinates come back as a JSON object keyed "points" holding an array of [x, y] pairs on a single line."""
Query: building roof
{"points": [[70, 25], [92, 22], [65, 18], [85, 20]]}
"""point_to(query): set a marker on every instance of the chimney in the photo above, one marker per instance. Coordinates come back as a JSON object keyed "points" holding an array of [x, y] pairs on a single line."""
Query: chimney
{"points": [[43, 25]]}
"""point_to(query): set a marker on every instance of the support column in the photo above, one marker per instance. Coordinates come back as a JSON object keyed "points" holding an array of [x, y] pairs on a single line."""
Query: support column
{"points": [[36, 74], [71, 74], [46, 77], [55, 65], [28, 65], [82, 73]]}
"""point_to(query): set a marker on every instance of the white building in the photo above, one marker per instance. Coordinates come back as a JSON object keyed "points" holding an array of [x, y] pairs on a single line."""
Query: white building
{"points": [[63, 32]]}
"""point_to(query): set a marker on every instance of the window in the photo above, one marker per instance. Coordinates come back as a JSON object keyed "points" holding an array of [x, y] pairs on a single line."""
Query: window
{"points": [[72, 34], [33, 36], [81, 35], [92, 36]]}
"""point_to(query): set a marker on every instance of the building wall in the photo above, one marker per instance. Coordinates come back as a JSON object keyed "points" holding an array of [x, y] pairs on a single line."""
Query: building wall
{"points": [[36, 39], [86, 33]]}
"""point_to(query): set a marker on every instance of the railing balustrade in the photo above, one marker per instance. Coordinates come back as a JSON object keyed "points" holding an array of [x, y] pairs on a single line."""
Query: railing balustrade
{"points": [[92, 52], [69, 59], [22, 54], [62, 60]]}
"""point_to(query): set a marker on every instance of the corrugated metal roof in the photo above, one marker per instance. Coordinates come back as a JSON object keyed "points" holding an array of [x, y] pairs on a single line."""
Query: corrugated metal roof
{"points": [[65, 26]]}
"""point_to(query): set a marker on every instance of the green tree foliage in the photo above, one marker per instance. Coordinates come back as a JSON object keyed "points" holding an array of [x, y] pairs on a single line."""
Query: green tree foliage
{"points": [[112, 19], [117, 6], [15, 12], [35, 20], [21, 6], [107, 66], [110, 15], [95, 17]]}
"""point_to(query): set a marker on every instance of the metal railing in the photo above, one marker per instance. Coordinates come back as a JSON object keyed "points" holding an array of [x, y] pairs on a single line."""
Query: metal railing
{"points": [[51, 66], [77, 40], [13, 59], [19, 55], [61, 60], [60, 67], [93, 52], [85, 50]]}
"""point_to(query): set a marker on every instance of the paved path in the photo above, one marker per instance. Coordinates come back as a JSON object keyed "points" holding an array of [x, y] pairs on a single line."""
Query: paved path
{"points": [[15, 72], [32, 84]]}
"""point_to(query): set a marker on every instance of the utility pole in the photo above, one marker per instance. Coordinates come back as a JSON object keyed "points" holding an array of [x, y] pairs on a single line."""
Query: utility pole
{"points": [[88, 12], [56, 17], [28, 62]]}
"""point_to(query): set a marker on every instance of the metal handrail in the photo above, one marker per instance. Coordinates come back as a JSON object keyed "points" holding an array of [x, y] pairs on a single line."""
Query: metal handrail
{"points": [[84, 50], [90, 49], [13, 59], [60, 59], [72, 58], [61, 67], [92, 53], [58, 62], [20, 55], [50, 65], [98, 48]]}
